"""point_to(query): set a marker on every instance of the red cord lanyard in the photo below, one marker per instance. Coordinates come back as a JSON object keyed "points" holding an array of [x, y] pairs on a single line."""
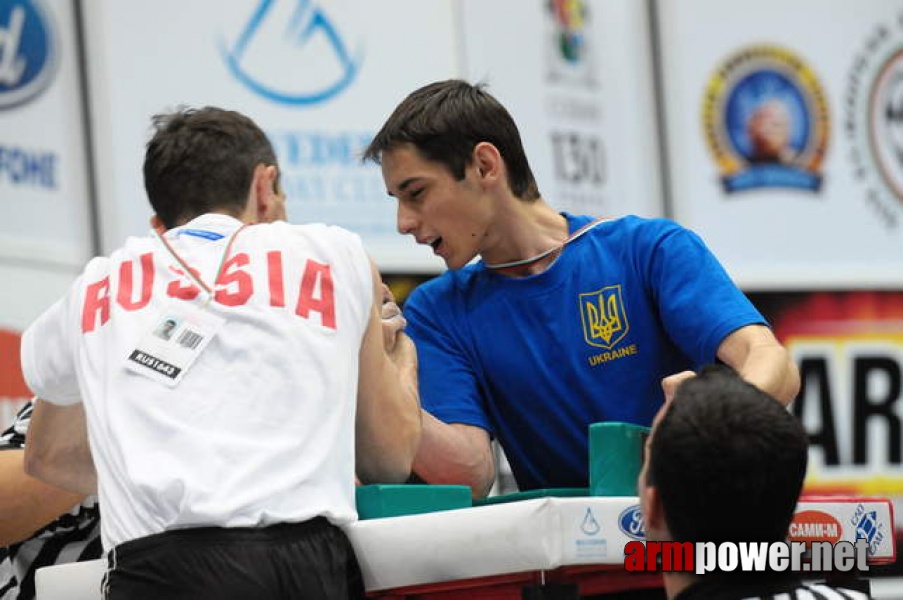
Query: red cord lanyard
{"points": [[196, 277]]}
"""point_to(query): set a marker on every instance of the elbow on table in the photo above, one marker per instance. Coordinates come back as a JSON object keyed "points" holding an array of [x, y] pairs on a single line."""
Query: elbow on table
{"points": [[38, 463], [383, 471], [391, 465]]}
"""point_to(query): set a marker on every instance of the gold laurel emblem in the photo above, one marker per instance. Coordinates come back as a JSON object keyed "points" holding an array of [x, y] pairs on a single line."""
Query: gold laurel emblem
{"points": [[604, 318], [765, 119]]}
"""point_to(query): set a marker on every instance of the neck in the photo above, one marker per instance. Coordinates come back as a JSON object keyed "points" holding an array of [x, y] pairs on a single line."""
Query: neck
{"points": [[675, 583], [526, 238]]}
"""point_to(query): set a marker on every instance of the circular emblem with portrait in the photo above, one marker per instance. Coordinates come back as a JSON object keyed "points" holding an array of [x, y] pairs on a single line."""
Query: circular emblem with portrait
{"points": [[766, 121]]}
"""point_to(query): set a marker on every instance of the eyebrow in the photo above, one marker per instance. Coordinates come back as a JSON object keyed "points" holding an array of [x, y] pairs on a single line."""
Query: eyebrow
{"points": [[404, 185]]}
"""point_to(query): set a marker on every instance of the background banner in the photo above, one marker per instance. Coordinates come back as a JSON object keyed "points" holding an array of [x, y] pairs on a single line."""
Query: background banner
{"points": [[318, 77], [849, 348], [784, 137]]}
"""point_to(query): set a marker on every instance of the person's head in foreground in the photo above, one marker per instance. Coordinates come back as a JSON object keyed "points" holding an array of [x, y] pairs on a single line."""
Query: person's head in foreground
{"points": [[211, 160], [725, 462]]}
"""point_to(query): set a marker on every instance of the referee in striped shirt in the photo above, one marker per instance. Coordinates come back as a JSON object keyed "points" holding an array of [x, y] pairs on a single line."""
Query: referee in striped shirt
{"points": [[40, 525], [725, 462]]}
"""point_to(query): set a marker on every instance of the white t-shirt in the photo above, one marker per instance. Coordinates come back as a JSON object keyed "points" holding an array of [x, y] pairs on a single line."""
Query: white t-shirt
{"points": [[260, 428]]}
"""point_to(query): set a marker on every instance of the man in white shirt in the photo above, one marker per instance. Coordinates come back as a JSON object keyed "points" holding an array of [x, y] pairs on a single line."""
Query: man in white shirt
{"points": [[226, 450]]}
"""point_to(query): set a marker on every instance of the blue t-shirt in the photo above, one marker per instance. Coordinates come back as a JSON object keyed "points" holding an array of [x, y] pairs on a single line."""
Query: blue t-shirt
{"points": [[536, 360]]}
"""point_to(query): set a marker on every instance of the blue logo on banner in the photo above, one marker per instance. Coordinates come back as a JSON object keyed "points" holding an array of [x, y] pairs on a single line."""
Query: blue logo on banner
{"points": [[28, 51], [766, 120], [308, 27], [631, 523]]}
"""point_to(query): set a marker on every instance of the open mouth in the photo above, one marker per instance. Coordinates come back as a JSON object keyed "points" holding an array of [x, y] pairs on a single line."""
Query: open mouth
{"points": [[436, 243]]}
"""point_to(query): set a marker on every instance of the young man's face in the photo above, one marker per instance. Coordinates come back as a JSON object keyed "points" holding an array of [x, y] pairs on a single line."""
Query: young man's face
{"points": [[450, 216]]}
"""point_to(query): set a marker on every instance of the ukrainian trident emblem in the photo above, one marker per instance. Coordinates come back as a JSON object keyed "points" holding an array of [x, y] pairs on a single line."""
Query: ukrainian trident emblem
{"points": [[604, 319]]}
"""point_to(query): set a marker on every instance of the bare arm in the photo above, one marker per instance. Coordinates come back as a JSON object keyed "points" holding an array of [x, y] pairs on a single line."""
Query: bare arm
{"points": [[388, 402], [455, 454], [756, 354], [57, 450], [759, 358], [27, 504]]}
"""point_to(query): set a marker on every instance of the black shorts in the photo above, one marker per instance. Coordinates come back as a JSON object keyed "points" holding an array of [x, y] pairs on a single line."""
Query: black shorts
{"points": [[311, 560]]}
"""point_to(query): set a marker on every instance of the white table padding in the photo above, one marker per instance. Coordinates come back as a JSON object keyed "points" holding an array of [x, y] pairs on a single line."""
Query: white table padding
{"points": [[530, 535]]}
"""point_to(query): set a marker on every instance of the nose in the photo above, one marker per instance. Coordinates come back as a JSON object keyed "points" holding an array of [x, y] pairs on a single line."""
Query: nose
{"points": [[406, 220]]}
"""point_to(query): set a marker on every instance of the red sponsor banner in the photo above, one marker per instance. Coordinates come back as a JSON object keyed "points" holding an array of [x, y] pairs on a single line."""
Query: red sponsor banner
{"points": [[849, 349], [12, 385], [13, 391]]}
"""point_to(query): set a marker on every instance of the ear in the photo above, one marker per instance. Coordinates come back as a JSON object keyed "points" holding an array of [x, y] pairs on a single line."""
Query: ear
{"points": [[262, 192], [653, 512], [488, 162], [157, 224]]}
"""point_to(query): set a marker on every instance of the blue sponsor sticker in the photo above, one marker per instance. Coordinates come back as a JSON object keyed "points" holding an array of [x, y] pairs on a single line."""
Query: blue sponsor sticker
{"points": [[29, 52], [631, 523], [202, 233]]}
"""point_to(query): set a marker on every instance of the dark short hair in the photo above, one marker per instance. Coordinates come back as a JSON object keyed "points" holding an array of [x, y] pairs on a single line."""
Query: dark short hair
{"points": [[445, 120], [199, 160], [728, 461]]}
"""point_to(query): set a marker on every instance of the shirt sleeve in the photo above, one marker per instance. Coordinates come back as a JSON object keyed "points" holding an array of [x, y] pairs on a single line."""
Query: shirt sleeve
{"points": [[449, 386], [699, 303], [353, 246], [48, 351]]}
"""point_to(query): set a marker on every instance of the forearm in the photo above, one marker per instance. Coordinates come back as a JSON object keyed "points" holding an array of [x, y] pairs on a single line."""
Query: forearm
{"points": [[57, 450], [389, 426], [27, 504], [759, 358], [455, 455]]}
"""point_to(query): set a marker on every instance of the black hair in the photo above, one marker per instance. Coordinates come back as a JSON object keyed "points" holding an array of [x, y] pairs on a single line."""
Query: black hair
{"points": [[728, 461], [202, 159], [445, 120]]}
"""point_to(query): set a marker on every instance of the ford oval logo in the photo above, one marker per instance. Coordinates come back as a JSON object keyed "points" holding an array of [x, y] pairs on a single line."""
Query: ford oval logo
{"points": [[631, 523], [28, 51]]}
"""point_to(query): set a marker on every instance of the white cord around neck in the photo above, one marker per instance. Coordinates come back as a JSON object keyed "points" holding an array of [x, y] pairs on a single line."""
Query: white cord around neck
{"points": [[525, 261], [545, 253]]}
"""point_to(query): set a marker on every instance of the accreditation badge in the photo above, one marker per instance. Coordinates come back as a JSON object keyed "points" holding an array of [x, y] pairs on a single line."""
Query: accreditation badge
{"points": [[173, 343]]}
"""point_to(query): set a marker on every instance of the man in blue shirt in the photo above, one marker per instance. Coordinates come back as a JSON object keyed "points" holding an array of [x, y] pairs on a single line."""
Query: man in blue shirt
{"points": [[564, 321]]}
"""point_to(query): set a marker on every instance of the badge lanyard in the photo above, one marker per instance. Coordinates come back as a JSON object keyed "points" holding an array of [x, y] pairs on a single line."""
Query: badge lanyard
{"points": [[181, 332], [197, 277]]}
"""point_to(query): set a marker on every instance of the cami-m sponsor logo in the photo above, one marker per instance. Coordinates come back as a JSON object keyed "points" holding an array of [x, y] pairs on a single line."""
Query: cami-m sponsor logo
{"points": [[815, 526], [605, 323]]}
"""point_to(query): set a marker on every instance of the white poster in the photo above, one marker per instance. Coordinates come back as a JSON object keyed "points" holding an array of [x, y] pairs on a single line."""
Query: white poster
{"points": [[45, 233], [784, 137], [319, 77], [577, 78]]}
